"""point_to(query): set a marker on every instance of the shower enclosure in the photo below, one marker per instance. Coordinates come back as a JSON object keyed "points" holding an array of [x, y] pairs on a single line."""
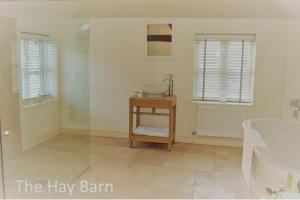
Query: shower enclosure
{"points": [[44, 101]]}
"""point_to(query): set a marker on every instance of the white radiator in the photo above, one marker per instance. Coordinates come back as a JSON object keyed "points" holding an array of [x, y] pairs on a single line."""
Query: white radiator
{"points": [[220, 121]]}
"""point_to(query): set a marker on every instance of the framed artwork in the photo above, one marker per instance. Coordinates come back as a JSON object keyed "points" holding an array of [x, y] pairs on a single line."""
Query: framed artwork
{"points": [[159, 40]]}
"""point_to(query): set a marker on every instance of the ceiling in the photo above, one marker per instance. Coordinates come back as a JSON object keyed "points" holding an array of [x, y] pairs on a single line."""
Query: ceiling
{"points": [[44, 8], [197, 8], [252, 9]]}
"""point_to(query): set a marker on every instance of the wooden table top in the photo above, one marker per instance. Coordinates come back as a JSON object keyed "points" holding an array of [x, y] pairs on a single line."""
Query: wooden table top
{"points": [[158, 102]]}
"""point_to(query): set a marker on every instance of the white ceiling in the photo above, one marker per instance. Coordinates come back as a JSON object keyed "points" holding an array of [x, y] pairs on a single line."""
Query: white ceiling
{"points": [[44, 8], [198, 8], [271, 9]]}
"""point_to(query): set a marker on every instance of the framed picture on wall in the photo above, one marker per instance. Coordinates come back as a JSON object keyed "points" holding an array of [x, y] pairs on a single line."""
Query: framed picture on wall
{"points": [[159, 40]]}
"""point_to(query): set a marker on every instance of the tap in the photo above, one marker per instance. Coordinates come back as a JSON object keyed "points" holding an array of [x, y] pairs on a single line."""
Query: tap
{"points": [[296, 113], [295, 104], [171, 84]]}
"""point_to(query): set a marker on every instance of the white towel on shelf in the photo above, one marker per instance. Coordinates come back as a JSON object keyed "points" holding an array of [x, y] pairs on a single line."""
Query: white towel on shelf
{"points": [[152, 131]]}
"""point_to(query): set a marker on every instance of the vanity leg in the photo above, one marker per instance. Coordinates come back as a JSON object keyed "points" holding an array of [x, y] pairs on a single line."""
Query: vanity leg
{"points": [[171, 128], [174, 123], [138, 117], [131, 145], [130, 124], [169, 146]]}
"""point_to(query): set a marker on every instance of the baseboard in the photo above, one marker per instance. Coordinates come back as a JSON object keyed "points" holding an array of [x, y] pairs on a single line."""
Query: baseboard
{"points": [[218, 141], [193, 139], [37, 141], [108, 133], [75, 131]]}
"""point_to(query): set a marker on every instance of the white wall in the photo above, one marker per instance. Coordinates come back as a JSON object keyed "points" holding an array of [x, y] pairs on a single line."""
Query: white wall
{"points": [[292, 74], [74, 76], [41, 122], [117, 67]]}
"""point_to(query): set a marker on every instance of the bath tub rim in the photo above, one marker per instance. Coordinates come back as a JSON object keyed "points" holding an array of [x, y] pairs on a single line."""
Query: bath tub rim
{"points": [[263, 152]]}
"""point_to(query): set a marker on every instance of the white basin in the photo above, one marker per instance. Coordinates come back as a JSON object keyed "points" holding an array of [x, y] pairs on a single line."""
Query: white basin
{"points": [[154, 90]]}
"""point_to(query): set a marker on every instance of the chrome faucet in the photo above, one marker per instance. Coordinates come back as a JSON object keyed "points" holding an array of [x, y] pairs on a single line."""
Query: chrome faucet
{"points": [[171, 84], [295, 104]]}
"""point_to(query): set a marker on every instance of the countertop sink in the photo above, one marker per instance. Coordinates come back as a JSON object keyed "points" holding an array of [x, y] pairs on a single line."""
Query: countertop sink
{"points": [[154, 90]]}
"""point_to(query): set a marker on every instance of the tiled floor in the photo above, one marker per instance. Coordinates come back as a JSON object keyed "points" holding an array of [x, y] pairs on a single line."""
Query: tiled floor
{"points": [[147, 171]]}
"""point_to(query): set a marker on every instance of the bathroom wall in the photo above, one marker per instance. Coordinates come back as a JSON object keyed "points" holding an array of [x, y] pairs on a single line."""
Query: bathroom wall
{"points": [[74, 76], [41, 122], [116, 72], [292, 74], [118, 66]]}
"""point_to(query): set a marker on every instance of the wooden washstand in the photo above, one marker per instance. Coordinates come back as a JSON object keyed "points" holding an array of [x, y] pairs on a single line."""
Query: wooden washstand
{"points": [[150, 134]]}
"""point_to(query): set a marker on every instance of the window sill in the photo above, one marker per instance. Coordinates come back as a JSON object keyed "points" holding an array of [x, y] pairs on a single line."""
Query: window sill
{"points": [[36, 104], [222, 104]]}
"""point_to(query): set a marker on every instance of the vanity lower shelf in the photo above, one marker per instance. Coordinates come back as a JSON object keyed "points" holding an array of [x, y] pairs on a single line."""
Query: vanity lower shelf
{"points": [[152, 134], [152, 131]]}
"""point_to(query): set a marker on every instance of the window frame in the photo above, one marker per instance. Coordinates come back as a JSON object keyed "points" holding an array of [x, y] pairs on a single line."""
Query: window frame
{"points": [[43, 69], [226, 38]]}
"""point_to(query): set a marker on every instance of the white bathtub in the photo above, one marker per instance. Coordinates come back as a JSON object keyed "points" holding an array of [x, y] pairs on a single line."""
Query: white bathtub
{"points": [[279, 157]]}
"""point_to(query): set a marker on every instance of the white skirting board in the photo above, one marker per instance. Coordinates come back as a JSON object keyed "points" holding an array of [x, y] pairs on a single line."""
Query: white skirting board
{"points": [[192, 139]]}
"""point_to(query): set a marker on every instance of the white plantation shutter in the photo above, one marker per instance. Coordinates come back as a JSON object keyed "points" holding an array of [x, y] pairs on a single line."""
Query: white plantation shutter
{"points": [[224, 68], [51, 68], [38, 67]]}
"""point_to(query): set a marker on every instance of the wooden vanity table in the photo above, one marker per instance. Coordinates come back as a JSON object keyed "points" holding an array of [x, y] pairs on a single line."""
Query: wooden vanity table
{"points": [[152, 134]]}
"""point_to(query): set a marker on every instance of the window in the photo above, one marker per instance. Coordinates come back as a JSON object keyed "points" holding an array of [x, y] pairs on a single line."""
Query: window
{"points": [[224, 68], [38, 68]]}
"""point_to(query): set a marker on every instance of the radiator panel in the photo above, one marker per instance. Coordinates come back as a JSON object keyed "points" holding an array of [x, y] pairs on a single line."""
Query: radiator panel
{"points": [[220, 121]]}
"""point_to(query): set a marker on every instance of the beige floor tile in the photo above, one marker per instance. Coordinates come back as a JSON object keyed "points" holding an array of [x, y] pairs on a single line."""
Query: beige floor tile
{"points": [[174, 175], [168, 194], [172, 186], [203, 178], [197, 148], [193, 148], [230, 151], [172, 160], [105, 141], [221, 150], [146, 171], [199, 162], [219, 193], [179, 147], [228, 181], [226, 167]]}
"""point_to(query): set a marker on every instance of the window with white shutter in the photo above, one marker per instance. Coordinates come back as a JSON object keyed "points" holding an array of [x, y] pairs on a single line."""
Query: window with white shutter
{"points": [[38, 68], [224, 68]]}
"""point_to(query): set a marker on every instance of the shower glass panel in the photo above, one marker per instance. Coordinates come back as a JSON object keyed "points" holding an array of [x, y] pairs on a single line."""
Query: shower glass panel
{"points": [[44, 106]]}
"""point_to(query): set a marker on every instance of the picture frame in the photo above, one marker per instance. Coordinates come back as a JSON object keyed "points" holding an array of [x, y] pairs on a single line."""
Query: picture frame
{"points": [[159, 40]]}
